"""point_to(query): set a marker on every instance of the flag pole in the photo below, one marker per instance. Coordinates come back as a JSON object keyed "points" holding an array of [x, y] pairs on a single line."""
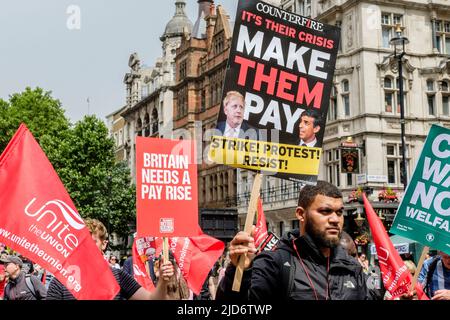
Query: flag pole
{"points": [[248, 229]]}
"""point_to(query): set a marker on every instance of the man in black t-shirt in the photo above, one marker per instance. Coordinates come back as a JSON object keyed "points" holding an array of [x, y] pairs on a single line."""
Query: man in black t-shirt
{"points": [[129, 288]]}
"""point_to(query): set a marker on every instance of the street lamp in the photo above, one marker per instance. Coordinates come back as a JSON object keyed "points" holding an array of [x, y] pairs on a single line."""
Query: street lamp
{"points": [[399, 51]]}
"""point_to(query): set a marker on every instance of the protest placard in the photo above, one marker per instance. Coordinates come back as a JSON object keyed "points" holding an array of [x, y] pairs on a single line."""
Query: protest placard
{"points": [[40, 221], [424, 213], [166, 187], [276, 93]]}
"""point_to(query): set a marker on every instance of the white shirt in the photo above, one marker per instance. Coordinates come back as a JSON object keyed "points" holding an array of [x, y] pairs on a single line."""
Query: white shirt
{"points": [[309, 144], [231, 132]]}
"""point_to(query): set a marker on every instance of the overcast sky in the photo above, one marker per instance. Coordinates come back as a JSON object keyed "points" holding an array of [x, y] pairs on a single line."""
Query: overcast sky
{"points": [[41, 45]]}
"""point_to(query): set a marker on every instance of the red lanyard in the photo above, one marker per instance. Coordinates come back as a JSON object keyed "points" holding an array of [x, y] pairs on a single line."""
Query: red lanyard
{"points": [[307, 273]]}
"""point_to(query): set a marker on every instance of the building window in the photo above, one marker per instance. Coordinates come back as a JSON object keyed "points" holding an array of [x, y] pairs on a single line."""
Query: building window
{"points": [[155, 121], [218, 43], [388, 94], [303, 7], [443, 36], [388, 26], [445, 93], [183, 70], [203, 102], [394, 162], [392, 95], [295, 224], [145, 91], [431, 98], [349, 179], [139, 127], [431, 104], [332, 111], [391, 171], [346, 97], [445, 108], [120, 137], [146, 125], [281, 226], [182, 102], [333, 168]]}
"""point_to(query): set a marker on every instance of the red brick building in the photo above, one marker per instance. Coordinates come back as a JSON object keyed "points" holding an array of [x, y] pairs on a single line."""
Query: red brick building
{"points": [[201, 62]]}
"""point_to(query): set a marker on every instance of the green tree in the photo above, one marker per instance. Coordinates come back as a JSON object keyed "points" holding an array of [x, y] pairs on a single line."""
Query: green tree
{"points": [[82, 155], [99, 187], [42, 114]]}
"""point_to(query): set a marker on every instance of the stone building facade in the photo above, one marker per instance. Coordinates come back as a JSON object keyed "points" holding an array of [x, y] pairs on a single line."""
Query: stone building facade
{"points": [[149, 105], [201, 61], [116, 124]]}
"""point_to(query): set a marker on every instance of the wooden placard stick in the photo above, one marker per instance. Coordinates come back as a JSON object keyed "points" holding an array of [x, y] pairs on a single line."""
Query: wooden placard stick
{"points": [[419, 267], [248, 228], [165, 249]]}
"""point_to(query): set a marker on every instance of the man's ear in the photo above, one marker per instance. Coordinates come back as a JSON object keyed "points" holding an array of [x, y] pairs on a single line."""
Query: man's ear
{"points": [[104, 245], [316, 129], [300, 214]]}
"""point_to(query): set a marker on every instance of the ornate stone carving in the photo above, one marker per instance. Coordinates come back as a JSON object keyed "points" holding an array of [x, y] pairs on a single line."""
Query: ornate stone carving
{"points": [[392, 63], [393, 125], [343, 71]]}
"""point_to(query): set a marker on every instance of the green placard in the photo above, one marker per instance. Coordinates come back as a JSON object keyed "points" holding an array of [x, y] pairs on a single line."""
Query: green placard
{"points": [[424, 213]]}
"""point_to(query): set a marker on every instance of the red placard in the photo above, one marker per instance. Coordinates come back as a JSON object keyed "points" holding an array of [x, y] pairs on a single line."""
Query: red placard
{"points": [[39, 220], [166, 187], [140, 259]]}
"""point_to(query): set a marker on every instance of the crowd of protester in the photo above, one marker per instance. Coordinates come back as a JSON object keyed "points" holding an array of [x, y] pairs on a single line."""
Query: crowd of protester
{"points": [[324, 260]]}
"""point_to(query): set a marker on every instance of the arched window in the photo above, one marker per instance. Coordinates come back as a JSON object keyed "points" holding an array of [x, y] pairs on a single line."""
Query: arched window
{"points": [[139, 127], [155, 121], [445, 86], [345, 87], [333, 111], [146, 125]]}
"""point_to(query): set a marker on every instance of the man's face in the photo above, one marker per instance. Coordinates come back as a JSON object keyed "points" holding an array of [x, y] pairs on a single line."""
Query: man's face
{"points": [[445, 259], [323, 220], [101, 244], [307, 130], [234, 111], [12, 270]]}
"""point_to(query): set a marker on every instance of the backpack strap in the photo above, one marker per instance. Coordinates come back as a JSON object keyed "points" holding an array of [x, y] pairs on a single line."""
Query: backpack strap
{"points": [[287, 271], [6, 293], [430, 273], [30, 286]]}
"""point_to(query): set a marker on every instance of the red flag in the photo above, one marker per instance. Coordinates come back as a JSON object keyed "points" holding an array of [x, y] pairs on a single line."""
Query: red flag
{"points": [[261, 225], [396, 277], [140, 258], [195, 256], [40, 221]]}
